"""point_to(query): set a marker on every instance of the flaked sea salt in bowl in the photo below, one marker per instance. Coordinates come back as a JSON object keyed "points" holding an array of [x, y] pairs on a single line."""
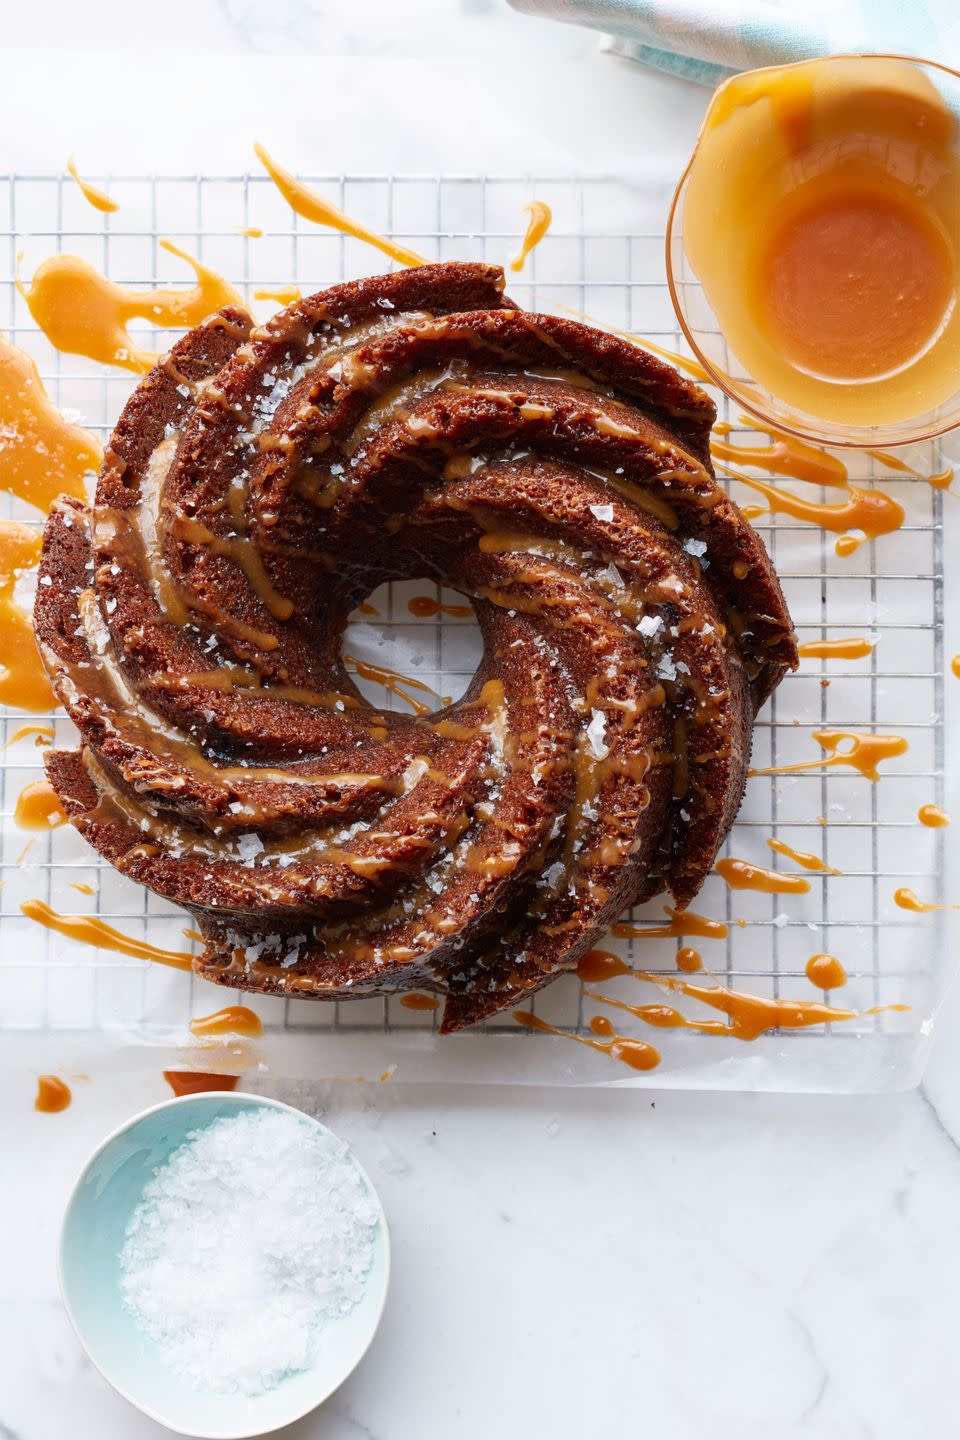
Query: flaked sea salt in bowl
{"points": [[224, 1261]]}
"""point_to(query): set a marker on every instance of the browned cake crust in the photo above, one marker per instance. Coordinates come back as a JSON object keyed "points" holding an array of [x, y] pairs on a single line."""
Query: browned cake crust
{"points": [[259, 484]]}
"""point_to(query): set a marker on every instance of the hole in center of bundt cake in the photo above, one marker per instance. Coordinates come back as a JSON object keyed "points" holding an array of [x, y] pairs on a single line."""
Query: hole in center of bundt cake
{"points": [[409, 634]]}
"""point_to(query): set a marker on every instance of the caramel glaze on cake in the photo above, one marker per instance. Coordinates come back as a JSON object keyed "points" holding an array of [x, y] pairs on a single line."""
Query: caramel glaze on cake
{"points": [[259, 485]]}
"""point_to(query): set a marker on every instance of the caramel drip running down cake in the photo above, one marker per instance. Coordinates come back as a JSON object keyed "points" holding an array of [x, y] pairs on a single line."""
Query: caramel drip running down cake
{"points": [[260, 484]]}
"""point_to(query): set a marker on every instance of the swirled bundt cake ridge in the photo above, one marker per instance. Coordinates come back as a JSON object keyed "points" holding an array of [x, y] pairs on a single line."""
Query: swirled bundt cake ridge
{"points": [[260, 483]]}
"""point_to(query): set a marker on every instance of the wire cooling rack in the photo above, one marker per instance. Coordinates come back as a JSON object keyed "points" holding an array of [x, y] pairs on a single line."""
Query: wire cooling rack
{"points": [[66, 1003]]}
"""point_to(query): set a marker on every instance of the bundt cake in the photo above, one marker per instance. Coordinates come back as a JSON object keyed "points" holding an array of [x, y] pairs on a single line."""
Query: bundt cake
{"points": [[260, 483]]}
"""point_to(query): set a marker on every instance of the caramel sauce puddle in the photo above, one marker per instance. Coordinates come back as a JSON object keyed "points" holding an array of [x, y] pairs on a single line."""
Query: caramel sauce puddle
{"points": [[81, 312], [53, 1095], [42, 455], [23, 680], [826, 972], [38, 808]]}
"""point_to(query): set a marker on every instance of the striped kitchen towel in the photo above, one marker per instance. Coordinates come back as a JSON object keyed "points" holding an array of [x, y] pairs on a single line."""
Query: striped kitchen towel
{"points": [[707, 40]]}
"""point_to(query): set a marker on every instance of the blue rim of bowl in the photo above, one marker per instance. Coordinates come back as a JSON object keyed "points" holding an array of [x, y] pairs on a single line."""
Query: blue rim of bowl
{"points": [[214, 1097]]}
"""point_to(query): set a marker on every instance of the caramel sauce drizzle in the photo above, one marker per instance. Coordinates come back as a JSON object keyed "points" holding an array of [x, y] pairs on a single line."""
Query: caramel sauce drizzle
{"points": [[394, 682], [417, 1000], [742, 875], [242, 551], [907, 900], [98, 198], [115, 805], [955, 666], [785, 455], [539, 223], [253, 232], [865, 753], [803, 857], [44, 734], [681, 922], [83, 887], [854, 648], [195, 1082], [41, 454], [492, 699], [662, 1017], [752, 1015], [749, 1016], [38, 808], [689, 960], [425, 607], [635, 1053], [942, 480], [283, 295], [83, 313], [869, 511], [826, 972], [23, 680], [689, 366], [311, 206], [893, 462], [53, 1095], [933, 817], [93, 931], [232, 1020]]}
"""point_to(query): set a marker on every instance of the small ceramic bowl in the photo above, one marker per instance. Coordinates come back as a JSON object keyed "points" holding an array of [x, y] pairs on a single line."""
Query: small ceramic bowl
{"points": [[99, 1208]]}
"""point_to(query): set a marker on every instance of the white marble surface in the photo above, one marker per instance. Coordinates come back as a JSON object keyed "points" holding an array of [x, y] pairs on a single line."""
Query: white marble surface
{"points": [[579, 1263], [566, 1263]]}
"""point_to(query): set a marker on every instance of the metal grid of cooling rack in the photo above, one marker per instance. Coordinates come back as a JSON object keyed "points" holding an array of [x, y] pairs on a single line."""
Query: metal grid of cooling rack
{"points": [[611, 271]]}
